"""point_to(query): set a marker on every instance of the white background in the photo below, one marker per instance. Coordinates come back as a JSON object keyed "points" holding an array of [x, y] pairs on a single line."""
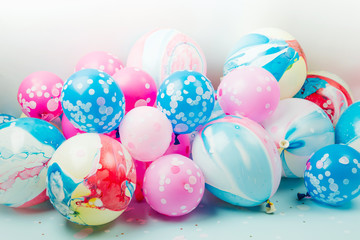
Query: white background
{"points": [[52, 35]]}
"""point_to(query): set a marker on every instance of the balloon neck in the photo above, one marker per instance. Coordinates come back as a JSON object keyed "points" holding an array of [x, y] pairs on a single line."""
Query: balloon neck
{"points": [[176, 142], [284, 144], [270, 207], [302, 195]]}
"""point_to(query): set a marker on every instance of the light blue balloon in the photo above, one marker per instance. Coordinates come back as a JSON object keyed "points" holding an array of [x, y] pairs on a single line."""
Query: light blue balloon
{"points": [[347, 130], [4, 118], [187, 98], [92, 101], [332, 174]]}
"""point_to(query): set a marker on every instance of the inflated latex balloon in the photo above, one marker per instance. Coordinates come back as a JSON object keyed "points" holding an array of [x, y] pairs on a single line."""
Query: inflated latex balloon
{"points": [[180, 144], [239, 160], [328, 91], [39, 95], [217, 111], [100, 60], [26, 145], [347, 128], [139, 87], [91, 179], [92, 101], [274, 50], [146, 133], [69, 130], [4, 118], [299, 128], [332, 174], [173, 185], [164, 51], [140, 173], [187, 98], [251, 92]]}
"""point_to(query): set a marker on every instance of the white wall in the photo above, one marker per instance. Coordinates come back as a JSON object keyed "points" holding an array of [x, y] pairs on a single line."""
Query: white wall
{"points": [[52, 35]]}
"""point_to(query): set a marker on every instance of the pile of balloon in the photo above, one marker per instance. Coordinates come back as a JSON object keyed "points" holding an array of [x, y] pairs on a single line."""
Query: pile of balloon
{"points": [[157, 130]]}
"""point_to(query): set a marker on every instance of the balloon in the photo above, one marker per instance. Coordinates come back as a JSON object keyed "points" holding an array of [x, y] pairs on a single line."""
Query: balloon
{"points": [[332, 174], [69, 130], [180, 144], [187, 99], [92, 101], [26, 145], [217, 111], [347, 128], [139, 88], [274, 50], [140, 173], [328, 91], [299, 128], [146, 133], [99, 60], [239, 160], [91, 179], [4, 118], [164, 51], [251, 92], [173, 185], [39, 95]]}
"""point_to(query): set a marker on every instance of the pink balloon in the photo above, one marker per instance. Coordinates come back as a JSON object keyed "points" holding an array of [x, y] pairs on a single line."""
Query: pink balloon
{"points": [[173, 185], [39, 95], [69, 130], [182, 146], [138, 87], [251, 92], [100, 60], [146, 133], [140, 172]]}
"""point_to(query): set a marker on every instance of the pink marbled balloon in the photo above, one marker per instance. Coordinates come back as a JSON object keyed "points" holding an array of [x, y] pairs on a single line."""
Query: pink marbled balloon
{"points": [[100, 60], [251, 92], [138, 87], [173, 185], [39, 95]]}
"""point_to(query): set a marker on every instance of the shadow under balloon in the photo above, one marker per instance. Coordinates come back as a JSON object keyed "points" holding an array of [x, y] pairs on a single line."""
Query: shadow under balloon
{"points": [[37, 209]]}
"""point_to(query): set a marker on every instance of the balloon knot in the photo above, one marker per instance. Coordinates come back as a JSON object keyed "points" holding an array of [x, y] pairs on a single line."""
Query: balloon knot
{"points": [[302, 195], [177, 142], [270, 207]]}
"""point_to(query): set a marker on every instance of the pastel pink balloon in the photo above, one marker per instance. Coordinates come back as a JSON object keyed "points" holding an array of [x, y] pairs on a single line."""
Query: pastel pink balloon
{"points": [[182, 146], [146, 133], [251, 92], [138, 87], [173, 185], [69, 130], [100, 60], [39, 95]]}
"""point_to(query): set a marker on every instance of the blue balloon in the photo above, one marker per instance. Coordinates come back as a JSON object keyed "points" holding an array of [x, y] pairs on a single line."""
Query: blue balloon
{"points": [[332, 174], [4, 118], [187, 98], [92, 101], [347, 130]]}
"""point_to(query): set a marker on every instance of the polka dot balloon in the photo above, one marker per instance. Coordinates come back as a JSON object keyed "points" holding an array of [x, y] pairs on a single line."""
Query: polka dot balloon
{"points": [[332, 174], [187, 98], [100, 60], [39, 95], [139, 88], [92, 101], [252, 92], [173, 185]]}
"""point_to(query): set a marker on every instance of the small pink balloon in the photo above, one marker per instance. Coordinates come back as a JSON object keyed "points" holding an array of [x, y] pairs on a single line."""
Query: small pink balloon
{"points": [[251, 92], [140, 172], [39, 95], [173, 185], [180, 145], [69, 130], [146, 133], [100, 60], [139, 87]]}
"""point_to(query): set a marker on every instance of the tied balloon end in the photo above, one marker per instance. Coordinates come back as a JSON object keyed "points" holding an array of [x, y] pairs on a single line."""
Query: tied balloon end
{"points": [[176, 142], [270, 207], [302, 195]]}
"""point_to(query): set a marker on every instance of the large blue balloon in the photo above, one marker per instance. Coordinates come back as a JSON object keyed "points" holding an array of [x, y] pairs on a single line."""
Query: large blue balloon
{"points": [[92, 101], [187, 98], [332, 174], [347, 129]]}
